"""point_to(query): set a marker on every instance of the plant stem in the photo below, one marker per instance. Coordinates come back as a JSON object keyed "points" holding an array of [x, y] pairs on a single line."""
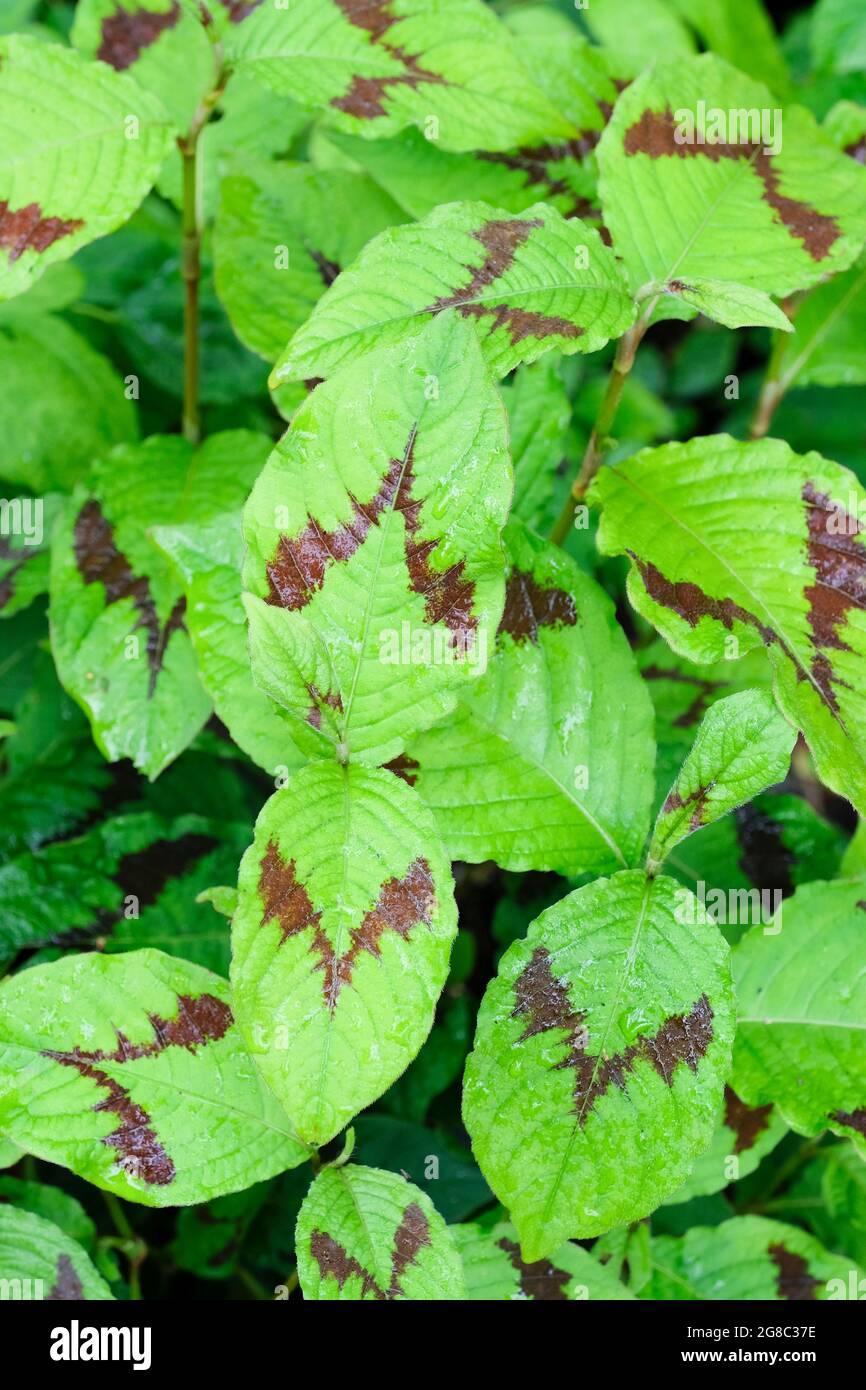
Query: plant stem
{"points": [[597, 446], [774, 387], [118, 1216], [190, 267]]}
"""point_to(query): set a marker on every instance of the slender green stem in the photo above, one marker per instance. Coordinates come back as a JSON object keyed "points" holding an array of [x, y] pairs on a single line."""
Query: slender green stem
{"points": [[190, 267], [774, 386], [599, 440], [118, 1216]]}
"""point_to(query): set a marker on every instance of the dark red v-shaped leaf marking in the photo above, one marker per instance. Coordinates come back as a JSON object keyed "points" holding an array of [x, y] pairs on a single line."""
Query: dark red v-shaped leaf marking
{"points": [[655, 135], [99, 561], [501, 239], [67, 1285], [127, 33], [402, 904], [793, 1279], [540, 1280], [301, 563], [838, 556], [543, 1001], [199, 1021], [530, 606], [410, 1238], [366, 95], [28, 229]]}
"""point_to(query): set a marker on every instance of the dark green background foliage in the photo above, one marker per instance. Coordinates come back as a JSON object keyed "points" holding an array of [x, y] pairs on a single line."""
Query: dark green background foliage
{"points": [[141, 735]]}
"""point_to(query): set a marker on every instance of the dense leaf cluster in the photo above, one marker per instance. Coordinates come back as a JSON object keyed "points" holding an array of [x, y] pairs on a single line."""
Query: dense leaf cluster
{"points": [[432, 649]]}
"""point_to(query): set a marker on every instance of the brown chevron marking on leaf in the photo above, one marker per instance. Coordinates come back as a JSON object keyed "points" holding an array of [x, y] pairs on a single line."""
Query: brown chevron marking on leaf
{"points": [[696, 799], [534, 161], [501, 239], [852, 1119], [17, 560], [283, 897], [140, 1154], [26, 229], [793, 1279], [690, 603], [654, 135], [99, 561], [747, 1121], [67, 1285], [333, 700], [530, 606], [447, 594], [839, 560], [127, 33], [366, 95], [765, 859], [405, 767], [540, 1280], [402, 904], [410, 1238], [333, 1260], [682, 1038], [300, 565], [703, 690]]}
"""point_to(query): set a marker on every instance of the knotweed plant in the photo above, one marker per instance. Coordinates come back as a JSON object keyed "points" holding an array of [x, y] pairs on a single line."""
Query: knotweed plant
{"points": [[433, 650]]}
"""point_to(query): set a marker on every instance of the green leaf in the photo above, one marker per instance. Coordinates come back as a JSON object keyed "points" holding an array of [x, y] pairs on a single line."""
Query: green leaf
{"points": [[9, 1152], [804, 203], [838, 35], [750, 1259], [827, 348], [766, 848], [69, 171], [208, 558], [682, 691], [845, 123], [374, 557], [25, 529], [430, 1158], [495, 1269], [340, 940], [539, 412], [47, 1263], [249, 124], [211, 1239], [744, 1135], [283, 234], [830, 1196], [735, 306], [130, 882], [62, 404], [529, 283], [604, 1038], [160, 43], [419, 175], [740, 544], [54, 776], [546, 764], [637, 31], [54, 1205], [367, 1235], [117, 610], [742, 32], [800, 1033], [127, 1070], [743, 746], [452, 69]]}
